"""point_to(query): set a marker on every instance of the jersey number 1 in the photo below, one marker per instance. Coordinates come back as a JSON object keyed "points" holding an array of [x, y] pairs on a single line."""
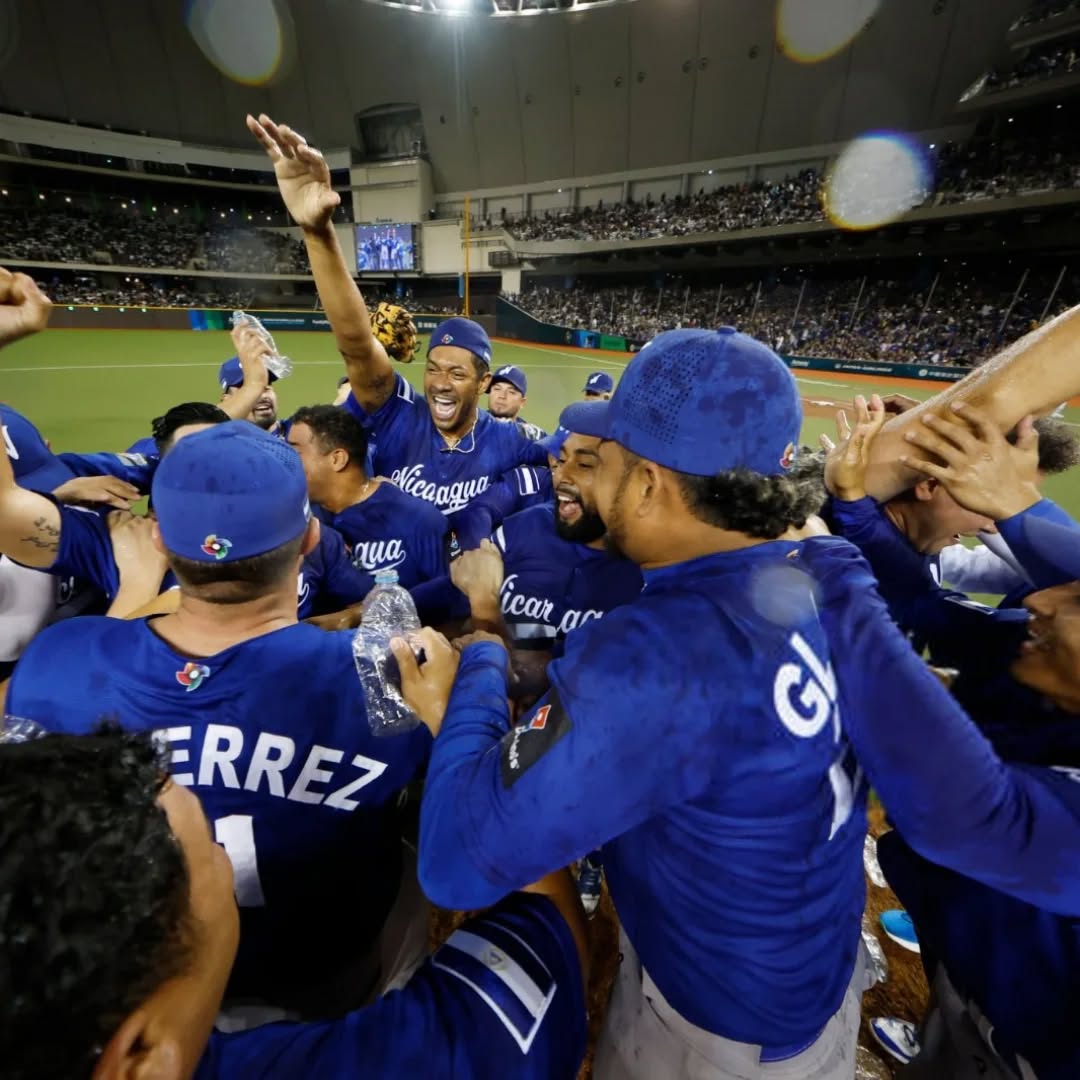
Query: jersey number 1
{"points": [[236, 834]]}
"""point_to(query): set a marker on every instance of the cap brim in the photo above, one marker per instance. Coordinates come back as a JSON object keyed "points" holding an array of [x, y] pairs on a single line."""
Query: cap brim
{"points": [[587, 418], [47, 477], [1055, 544], [552, 443]]}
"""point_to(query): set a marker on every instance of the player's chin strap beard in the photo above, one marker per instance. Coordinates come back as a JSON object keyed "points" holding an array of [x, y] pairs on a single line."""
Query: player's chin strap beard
{"points": [[453, 443]]}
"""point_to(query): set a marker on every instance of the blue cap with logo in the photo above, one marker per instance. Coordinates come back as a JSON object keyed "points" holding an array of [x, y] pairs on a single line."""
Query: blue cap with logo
{"points": [[35, 466], [513, 375], [232, 374], [465, 334], [230, 492], [553, 443], [599, 382], [701, 402]]}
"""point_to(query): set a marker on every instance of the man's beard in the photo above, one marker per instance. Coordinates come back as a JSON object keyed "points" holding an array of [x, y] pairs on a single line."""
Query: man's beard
{"points": [[503, 414], [265, 422], [588, 527]]}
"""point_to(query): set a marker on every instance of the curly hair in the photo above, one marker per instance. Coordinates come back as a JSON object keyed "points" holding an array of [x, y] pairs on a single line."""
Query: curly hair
{"points": [[335, 429], [763, 507], [94, 896]]}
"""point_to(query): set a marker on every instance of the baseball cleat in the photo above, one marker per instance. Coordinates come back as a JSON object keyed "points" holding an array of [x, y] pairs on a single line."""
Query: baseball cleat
{"points": [[897, 1037], [898, 925], [590, 878]]}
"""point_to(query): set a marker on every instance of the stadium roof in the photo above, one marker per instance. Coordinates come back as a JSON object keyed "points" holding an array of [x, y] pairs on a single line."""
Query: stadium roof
{"points": [[600, 88]]}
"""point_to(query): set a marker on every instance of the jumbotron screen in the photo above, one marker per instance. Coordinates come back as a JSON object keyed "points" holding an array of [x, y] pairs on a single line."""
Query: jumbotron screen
{"points": [[385, 247]]}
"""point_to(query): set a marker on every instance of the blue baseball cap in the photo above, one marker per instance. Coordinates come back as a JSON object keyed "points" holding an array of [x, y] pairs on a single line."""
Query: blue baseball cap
{"points": [[513, 375], [553, 443], [700, 402], [230, 492], [465, 334], [599, 382], [35, 466], [1056, 544], [232, 374]]}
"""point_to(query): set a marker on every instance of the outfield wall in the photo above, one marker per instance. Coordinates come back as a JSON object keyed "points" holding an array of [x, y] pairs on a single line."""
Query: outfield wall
{"points": [[513, 322], [105, 317]]}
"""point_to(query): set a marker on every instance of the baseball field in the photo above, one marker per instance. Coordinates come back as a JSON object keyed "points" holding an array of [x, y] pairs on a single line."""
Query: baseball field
{"points": [[98, 389]]}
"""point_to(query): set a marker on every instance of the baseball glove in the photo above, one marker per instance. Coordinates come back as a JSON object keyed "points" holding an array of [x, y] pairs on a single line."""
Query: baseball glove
{"points": [[394, 327]]}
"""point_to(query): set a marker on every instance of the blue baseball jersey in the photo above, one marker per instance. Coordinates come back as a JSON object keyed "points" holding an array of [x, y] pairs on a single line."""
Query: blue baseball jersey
{"points": [[1008, 827], [410, 451], [502, 998], [147, 447], [552, 586], [136, 469], [390, 530], [524, 487], [273, 735], [695, 734], [327, 581]]}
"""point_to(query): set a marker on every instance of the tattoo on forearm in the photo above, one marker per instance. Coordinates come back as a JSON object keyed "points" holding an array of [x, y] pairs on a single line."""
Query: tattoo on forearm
{"points": [[46, 537]]}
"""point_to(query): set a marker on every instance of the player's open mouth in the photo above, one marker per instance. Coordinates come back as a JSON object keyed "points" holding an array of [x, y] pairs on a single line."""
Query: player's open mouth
{"points": [[443, 408], [569, 506], [1039, 639]]}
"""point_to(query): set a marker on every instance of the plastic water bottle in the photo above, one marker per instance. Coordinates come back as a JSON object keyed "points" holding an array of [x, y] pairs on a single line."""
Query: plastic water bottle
{"points": [[389, 612], [279, 366]]}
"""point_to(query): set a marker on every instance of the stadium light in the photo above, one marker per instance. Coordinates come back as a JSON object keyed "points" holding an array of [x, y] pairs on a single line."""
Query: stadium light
{"points": [[67, 198]]}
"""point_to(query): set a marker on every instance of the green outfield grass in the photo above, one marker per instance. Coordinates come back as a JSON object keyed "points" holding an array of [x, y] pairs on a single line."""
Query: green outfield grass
{"points": [[98, 389]]}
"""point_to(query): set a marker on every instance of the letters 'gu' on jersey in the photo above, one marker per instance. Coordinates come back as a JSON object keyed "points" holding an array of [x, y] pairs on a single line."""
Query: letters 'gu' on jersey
{"points": [[501, 999], [695, 734], [412, 453], [273, 735], [390, 530]]}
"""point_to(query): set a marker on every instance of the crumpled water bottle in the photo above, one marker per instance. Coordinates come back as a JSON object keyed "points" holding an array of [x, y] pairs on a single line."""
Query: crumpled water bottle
{"points": [[279, 366], [16, 729], [389, 612]]}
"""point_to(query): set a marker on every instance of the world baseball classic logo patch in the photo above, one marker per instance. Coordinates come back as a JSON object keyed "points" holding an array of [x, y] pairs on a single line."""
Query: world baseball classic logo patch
{"points": [[216, 546], [192, 676]]}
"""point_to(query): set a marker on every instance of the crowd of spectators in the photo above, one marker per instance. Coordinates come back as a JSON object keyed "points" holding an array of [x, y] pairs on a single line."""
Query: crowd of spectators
{"points": [[146, 292], [1044, 10], [66, 234], [953, 319], [1047, 61]]}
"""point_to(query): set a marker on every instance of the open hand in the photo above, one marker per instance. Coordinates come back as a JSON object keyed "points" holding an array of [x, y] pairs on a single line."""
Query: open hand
{"points": [[138, 558], [846, 463], [426, 687], [252, 352], [302, 173], [979, 468], [110, 490]]}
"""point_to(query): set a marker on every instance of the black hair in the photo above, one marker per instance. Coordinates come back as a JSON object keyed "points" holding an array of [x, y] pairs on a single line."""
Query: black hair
{"points": [[335, 429], [95, 896], [238, 581], [164, 428], [342, 381], [763, 507]]}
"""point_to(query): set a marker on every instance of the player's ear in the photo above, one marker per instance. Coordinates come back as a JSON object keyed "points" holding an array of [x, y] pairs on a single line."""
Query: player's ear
{"points": [[485, 382], [924, 489], [138, 1052], [311, 537], [339, 459]]}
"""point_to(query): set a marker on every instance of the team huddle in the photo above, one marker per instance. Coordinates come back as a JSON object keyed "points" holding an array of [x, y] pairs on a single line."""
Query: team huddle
{"points": [[664, 646]]}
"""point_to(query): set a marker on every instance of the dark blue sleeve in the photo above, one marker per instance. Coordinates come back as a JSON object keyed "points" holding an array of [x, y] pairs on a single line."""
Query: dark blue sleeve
{"points": [[1042, 574], [136, 469], [573, 769], [513, 492], [342, 583], [85, 550], [146, 446], [958, 632], [392, 422], [432, 547], [950, 796], [439, 601]]}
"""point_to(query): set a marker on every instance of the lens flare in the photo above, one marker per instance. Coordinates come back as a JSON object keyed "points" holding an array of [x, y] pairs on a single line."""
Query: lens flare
{"points": [[876, 179], [250, 41], [813, 30]]}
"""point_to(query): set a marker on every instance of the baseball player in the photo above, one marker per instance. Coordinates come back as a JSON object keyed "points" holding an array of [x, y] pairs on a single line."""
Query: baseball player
{"points": [[502, 998], [265, 717], [599, 386], [384, 528], [508, 389], [443, 449], [693, 733]]}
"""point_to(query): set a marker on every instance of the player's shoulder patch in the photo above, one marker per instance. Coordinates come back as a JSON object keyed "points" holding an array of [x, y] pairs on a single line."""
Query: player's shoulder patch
{"points": [[505, 973], [528, 480], [523, 746]]}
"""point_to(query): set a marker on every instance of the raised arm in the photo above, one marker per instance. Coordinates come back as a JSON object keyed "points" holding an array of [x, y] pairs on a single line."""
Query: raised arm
{"points": [[304, 182], [1031, 376], [252, 351]]}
